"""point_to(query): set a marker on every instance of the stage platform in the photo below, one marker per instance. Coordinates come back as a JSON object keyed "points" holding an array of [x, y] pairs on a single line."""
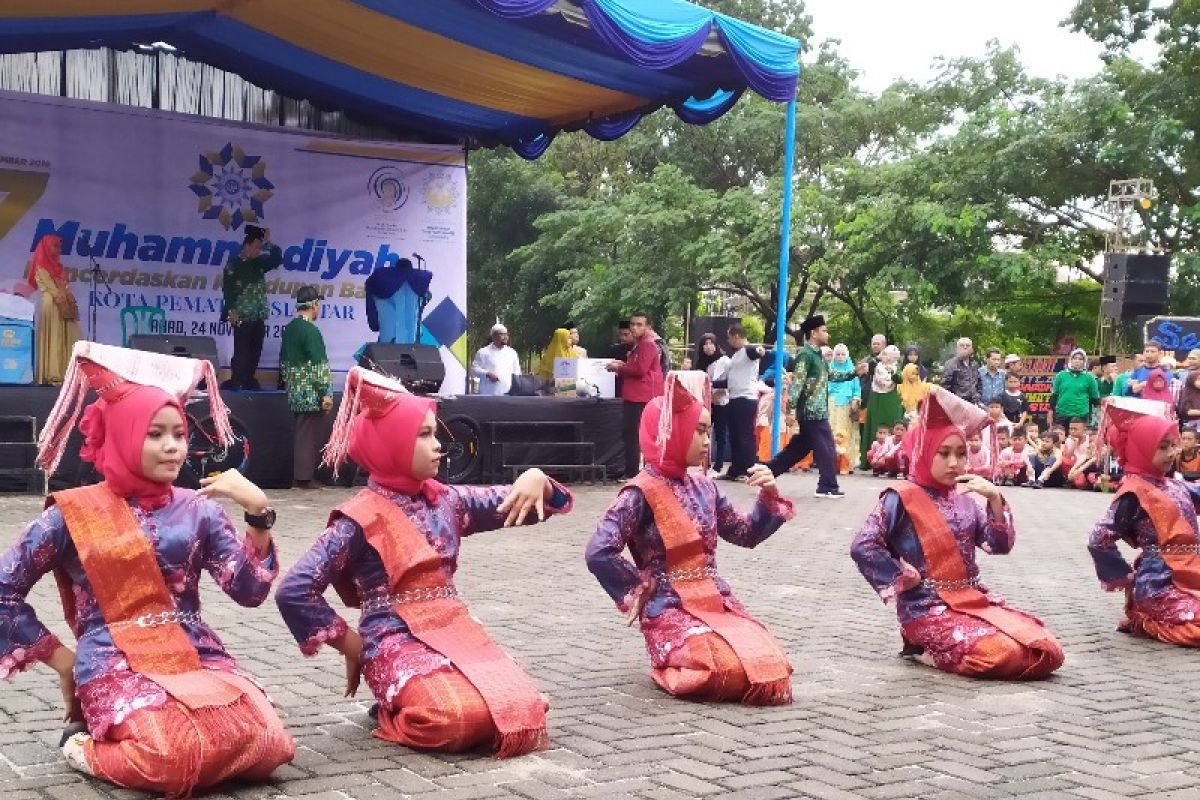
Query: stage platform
{"points": [[535, 431]]}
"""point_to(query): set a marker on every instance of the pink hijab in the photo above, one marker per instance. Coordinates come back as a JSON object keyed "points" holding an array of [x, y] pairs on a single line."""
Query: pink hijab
{"points": [[666, 445], [114, 436], [384, 437], [1136, 445]]}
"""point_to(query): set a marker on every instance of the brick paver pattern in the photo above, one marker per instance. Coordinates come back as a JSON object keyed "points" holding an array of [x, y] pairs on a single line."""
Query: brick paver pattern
{"points": [[1119, 720]]}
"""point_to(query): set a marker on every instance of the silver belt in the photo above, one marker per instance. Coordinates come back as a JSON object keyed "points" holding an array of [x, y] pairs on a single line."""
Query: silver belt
{"points": [[1172, 549], [950, 586], [153, 620], [685, 575], [411, 596]]}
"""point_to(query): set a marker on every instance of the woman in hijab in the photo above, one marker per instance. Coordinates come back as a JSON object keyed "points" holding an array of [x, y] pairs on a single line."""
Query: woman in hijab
{"points": [[154, 700], [559, 347], [57, 327], [912, 355], [713, 362], [912, 389], [917, 549], [844, 400], [702, 642], [440, 681], [1189, 400], [1155, 513], [883, 405]]}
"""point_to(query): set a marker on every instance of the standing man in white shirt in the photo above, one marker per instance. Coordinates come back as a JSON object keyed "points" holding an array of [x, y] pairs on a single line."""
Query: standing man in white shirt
{"points": [[496, 363]]}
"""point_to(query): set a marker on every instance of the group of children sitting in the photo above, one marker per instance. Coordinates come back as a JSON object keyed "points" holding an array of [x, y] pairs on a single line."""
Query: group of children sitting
{"points": [[1024, 455]]}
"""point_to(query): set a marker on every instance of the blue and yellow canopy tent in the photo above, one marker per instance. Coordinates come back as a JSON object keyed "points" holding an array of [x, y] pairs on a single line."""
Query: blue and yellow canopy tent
{"points": [[483, 72]]}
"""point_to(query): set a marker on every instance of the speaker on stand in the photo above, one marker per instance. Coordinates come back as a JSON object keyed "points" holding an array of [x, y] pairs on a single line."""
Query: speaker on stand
{"points": [[1135, 288], [418, 366]]}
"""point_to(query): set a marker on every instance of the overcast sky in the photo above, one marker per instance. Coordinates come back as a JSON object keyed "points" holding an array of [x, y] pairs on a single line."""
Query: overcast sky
{"points": [[889, 39]]}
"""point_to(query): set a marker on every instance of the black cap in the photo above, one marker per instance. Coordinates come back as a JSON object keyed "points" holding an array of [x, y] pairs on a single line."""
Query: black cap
{"points": [[255, 233], [811, 324], [1108, 360]]}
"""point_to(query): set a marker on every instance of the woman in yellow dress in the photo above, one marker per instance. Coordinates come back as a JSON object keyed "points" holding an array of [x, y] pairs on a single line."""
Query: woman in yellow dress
{"points": [[559, 347], [57, 327]]}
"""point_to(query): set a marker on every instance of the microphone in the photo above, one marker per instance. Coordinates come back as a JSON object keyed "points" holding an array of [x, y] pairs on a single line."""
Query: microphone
{"points": [[418, 257]]}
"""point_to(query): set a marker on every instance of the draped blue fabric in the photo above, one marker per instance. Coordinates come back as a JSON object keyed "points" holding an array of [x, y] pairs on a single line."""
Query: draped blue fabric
{"points": [[532, 149], [702, 112], [766, 59], [513, 72], [611, 128], [515, 9], [656, 36]]}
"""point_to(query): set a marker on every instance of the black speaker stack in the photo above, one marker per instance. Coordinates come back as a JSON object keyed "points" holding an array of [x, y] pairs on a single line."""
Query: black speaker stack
{"points": [[418, 366], [1135, 285]]}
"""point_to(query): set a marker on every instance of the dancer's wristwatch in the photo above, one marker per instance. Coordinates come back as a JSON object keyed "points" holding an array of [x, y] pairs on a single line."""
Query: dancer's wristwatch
{"points": [[264, 521]]}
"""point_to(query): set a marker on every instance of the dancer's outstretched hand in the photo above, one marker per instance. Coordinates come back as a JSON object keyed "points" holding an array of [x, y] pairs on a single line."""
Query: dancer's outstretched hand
{"points": [[529, 492], [979, 485], [351, 645], [760, 476], [235, 486], [62, 661], [641, 596]]}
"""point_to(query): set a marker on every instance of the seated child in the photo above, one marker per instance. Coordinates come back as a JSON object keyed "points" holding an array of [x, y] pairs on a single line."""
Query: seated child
{"points": [[1012, 467], [843, 457], [979, 460], [1045, 462], [875, 453], [1189, 455]]}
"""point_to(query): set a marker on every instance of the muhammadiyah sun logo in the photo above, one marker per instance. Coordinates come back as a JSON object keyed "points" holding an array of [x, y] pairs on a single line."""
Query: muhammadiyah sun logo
{"points": [[232, 187], [441, 193]]}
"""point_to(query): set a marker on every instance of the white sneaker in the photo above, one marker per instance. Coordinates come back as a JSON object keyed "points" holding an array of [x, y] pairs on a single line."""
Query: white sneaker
{"points": [[72, 750], [831, 494]]}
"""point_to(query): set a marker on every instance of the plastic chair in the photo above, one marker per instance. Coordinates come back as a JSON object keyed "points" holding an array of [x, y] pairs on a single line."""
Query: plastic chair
{"points": [[143, 319]]}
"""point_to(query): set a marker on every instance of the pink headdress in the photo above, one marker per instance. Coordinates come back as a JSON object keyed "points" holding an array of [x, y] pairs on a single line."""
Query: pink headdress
{"points": [[670, 420], [366, 393], [113, 373], [944, 414], [1133, 427]]}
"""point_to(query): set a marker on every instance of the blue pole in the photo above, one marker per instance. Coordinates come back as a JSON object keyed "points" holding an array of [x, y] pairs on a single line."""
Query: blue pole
{"points": [[785, 246]]}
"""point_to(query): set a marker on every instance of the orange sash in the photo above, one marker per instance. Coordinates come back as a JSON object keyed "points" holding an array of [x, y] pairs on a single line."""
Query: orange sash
{"points": [[765, 663], [1176, 538], [425, 600], [945, 565], [137, 607]]}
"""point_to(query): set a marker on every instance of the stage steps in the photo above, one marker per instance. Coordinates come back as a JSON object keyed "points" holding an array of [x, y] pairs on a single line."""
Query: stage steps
{"points": [[559, 447], [19, 473]]}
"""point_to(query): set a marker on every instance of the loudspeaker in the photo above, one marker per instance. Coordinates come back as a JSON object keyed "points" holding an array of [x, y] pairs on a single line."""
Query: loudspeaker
{"points": [[1135, 284], [417, 364], [201, 347]]}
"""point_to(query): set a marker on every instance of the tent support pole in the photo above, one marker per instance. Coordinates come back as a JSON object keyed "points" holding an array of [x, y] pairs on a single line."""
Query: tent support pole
{"points": [[785, 247]]}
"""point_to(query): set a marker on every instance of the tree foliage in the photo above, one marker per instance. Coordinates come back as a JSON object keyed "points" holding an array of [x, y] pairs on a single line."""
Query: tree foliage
{"points": [[971, 203]]}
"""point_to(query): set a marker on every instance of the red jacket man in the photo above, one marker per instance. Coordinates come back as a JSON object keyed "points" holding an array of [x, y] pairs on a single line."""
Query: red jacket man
{"points": [[641, 382]]}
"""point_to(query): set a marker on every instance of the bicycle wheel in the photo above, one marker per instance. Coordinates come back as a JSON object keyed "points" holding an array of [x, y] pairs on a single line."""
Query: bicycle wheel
{"points": [[207, 456], [460, 442]]}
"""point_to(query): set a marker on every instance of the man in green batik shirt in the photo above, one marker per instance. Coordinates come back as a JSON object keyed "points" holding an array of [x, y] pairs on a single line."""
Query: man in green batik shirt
{"points": [[304, 368], [810, 395], [244, 285]]}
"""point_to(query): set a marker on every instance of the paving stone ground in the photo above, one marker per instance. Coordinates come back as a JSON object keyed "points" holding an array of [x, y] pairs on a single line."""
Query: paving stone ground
{"points": [[1119, 720]]}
